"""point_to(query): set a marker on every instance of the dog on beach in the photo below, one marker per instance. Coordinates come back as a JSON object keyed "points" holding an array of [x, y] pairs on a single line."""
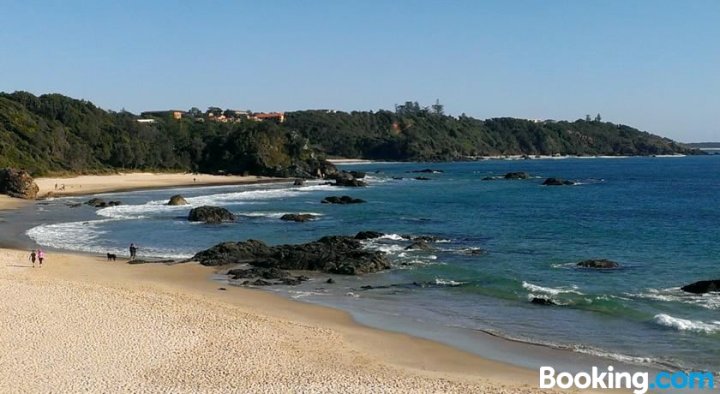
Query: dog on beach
{"points": [[111, 256]]}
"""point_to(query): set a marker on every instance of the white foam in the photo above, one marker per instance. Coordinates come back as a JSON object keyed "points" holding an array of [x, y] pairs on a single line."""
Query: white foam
{"points": [[88, 237], [392, 237], [674, 294], [550, 290], [687, 325], [448, 282]]}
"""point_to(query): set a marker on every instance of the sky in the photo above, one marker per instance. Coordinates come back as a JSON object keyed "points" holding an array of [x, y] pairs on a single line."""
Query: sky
{"points": [[653, 64]]}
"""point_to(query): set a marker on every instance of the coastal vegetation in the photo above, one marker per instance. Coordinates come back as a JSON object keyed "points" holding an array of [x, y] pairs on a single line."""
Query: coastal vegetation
{"points": [[55, 134]]}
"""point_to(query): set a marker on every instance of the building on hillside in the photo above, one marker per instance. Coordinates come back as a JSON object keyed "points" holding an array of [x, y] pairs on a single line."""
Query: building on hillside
{"points": [[175, 113], [278, 116]]}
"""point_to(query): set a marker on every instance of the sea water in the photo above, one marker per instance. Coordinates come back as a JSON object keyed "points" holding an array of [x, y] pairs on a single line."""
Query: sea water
{"points": [[500, 244]]}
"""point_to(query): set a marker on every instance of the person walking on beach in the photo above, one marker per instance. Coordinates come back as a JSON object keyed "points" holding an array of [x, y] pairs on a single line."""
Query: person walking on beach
{"points": [[40, 256], [33, 255], [133, 251]]}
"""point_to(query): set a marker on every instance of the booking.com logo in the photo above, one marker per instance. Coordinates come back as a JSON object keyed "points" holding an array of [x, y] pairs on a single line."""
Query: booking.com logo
{"points": [[638, 381]]}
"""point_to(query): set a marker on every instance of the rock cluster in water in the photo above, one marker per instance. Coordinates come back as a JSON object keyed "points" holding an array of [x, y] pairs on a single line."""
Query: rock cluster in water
{"points": [[212, 215], [348, 179], [598, 264], [342, 200], [702, 287], [297, 217], [332, 254], [100, 203], [177, 200], [517, 175], [557, 182]]}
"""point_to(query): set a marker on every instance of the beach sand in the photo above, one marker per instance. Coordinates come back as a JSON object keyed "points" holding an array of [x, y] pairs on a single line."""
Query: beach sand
{"points": [[91, 184], [83, 324]]}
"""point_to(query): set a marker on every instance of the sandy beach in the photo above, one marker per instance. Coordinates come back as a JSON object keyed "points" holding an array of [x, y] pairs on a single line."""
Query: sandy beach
{"points": [[81, 323], [91, 184]]}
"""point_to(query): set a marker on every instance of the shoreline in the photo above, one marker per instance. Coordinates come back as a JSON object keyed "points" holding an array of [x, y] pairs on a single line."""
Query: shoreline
{"points": [[409, 351]]}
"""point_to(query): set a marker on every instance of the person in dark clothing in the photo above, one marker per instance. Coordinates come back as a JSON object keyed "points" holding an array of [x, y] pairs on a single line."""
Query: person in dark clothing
{"points": [[133, 251]]}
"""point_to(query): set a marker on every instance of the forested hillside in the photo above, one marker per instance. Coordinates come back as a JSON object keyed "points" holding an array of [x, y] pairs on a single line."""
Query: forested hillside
{"points": [[53, 133]]}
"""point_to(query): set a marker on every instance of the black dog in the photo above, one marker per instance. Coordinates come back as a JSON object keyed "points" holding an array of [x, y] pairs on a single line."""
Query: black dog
{"points": [[111, 256]]}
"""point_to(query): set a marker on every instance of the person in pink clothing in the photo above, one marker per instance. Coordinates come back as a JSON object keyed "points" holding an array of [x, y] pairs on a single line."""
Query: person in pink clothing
{"points": [[40, 256]]}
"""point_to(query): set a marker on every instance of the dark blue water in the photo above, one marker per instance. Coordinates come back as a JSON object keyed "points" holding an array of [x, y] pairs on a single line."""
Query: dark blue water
{"points": [[658, 217]]}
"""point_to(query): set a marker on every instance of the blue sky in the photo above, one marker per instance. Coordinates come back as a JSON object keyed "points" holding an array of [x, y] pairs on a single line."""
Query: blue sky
{"points": [[654, 64]]}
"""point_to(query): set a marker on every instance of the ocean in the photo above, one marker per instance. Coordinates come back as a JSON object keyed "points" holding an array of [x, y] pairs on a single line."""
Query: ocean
{"points": [[500, 244]]}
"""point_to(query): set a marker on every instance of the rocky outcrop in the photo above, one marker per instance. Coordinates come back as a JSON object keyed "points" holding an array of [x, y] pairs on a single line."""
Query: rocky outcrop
{"points": [[210, 214], [100, 203], [517, 175], [422, 178], [702, 287], [598, 264], [419, 245], [542, 301], [362, 235], [357, 174], [342, 200], [297, 217], [18, 184], [299, 182], [557, 182], [333, 254], [348, 179], [177, 200]]}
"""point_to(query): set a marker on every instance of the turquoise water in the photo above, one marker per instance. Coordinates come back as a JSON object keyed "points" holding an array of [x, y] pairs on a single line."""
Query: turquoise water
{"points": [[658, 217]]}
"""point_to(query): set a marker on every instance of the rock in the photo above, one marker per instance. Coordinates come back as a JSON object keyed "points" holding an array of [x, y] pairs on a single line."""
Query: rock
{"points": [[299, 182], [332, 254], [210, 214], [257, 272], [368, 235], [74, 204], [557, 182], [489, 178], [114, 203], [517, 175], [222, 288], [398, 178], [140, 261], [18, 184], [598, 264], [475, 251], [341, 200], [261, 282], [330, 281], [96, 202], [424, 238], [427, 171], [348, 179], [297, 217], [542, 301], [419, 245], [177, 200], [357, 174], [422, 178], [702, 287]]}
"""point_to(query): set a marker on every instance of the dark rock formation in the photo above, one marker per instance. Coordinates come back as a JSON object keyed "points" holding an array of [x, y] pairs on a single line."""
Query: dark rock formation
{"points": [[114, 203], [97, 203], [475, 251], [141, 261], [348, 179], [419, 245], [210, 214], [598, 264], [422, 178], [177, 200], [517, 175], [332, 254], [542, 301], [368, 235], [489, 178], [18, 184], [299, 182], [330, 281], [357, 174], [297, 217], [341, 200], [557, 182], [703, 286], [398, 178]]}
